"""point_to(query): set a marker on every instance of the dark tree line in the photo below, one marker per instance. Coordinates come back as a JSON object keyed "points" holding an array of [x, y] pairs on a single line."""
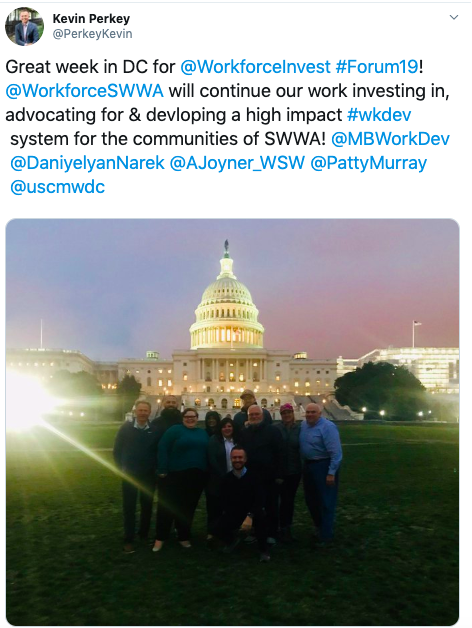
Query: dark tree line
{"points": [[383, 386], [83, 390]]}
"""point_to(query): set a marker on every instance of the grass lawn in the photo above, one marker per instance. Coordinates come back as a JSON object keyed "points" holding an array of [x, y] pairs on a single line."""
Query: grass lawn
{"points": [[395, 560]]}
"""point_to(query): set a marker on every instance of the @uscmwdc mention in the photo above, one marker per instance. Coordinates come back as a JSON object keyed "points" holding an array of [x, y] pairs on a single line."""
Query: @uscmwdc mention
{"points": [[102, 105]]}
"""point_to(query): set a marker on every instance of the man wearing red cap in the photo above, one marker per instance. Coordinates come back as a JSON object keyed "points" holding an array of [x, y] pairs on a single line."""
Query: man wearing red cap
{"points": [[291, 471]]}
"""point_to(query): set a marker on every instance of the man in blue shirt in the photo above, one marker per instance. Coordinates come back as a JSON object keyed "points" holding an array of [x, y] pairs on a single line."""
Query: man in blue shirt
{"points": [[321, 452]]}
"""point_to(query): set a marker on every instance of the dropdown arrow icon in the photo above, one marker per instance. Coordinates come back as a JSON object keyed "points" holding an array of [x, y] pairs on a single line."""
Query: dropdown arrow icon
{"points": [[453, 17]]}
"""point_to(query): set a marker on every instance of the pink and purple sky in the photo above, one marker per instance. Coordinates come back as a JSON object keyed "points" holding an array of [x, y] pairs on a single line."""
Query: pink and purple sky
{"points": [[117, 288]]}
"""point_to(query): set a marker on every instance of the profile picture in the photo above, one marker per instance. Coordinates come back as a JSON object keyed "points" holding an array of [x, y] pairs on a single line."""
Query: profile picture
{"points": [[24, 26]]}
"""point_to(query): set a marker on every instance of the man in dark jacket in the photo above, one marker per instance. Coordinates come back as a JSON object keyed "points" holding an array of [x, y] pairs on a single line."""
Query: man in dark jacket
{"points": [[241, 497], [240, 418], [264, 447], [135, 454], [168, 417], [168, 401], [291, 470]]}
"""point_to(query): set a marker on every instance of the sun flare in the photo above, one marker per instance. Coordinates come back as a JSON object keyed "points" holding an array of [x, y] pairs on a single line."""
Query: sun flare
{"points": [[40, 402]]}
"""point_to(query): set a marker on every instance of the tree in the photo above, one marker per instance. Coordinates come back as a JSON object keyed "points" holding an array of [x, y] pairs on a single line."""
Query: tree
{"points": [[76, 393], [128, 390], [69, 385], [382, 386]]}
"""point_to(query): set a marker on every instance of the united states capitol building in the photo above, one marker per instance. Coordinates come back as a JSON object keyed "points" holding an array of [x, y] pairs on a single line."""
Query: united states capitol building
{"points": [[227, 355]]}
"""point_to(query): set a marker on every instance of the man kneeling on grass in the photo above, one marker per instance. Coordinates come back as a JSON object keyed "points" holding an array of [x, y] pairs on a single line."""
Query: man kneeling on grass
{"points": [[135, 456], [242, 497]]}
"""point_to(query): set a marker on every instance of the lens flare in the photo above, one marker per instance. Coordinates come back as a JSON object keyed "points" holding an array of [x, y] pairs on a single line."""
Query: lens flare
{"points": [[91, 454], [40, 402]]}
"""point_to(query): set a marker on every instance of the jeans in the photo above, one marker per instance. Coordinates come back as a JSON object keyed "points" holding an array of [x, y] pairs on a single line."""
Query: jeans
{"points": [[286, 499], [320, 498]]}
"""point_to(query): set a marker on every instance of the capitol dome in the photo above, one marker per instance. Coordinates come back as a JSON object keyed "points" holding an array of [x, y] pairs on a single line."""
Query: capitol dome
{"points": [[226, 317]]}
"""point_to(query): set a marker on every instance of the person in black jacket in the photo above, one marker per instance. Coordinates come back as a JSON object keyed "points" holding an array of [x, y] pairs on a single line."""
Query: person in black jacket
{"points": [[291, 471], [168, 417], [241, 496], [168, 401], [264, 447], [135, 456], [212, 422], [219, 463], [241, 418]]}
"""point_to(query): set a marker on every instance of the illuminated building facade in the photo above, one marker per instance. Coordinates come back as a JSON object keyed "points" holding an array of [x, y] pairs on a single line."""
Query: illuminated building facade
{"points": [[227, 355], [437, 368], [45, 363]]}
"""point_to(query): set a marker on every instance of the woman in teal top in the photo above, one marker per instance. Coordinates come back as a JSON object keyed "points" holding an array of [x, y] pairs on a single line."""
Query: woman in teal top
{"points": [[182, 469]]}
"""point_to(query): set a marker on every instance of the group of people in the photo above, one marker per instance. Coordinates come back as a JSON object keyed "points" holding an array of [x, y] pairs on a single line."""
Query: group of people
{"points": [[248, 467]]}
